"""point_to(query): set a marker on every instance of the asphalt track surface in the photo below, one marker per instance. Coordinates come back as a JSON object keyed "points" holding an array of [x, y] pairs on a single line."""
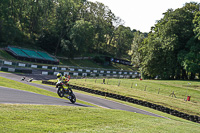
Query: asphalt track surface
{"points": [[8, 95]]}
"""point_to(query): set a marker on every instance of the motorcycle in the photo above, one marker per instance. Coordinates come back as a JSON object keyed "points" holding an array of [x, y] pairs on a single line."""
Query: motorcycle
{"points": [[65, 93]]}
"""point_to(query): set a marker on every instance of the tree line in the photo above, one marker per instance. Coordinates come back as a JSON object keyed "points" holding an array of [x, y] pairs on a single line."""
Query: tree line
{"points": [[172, 48], [78, 27], [69, 27]]}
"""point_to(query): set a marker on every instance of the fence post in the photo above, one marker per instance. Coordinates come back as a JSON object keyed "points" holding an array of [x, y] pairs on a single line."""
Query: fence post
{"points": [[145, 88], [119, 83], [104, 80], [132, 85], [106, 92]]}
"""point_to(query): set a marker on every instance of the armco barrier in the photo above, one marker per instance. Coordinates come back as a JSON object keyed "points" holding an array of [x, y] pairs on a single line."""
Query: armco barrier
{"points": [[5, 69], [70, 69], [135, 101]]}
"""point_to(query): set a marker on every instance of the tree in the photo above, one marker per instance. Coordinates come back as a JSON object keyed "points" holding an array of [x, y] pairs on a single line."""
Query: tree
{"points": [[82, 36], [166, 43], [102, 20], [136, 46], [123, 40]]}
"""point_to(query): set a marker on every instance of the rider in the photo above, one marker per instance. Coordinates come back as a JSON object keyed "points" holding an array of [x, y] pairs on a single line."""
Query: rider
{"points": [[63, 80]]}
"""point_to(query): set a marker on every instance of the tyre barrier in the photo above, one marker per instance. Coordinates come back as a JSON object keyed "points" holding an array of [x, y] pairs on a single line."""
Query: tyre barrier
{"points": [[48, 82], [135, 101]]}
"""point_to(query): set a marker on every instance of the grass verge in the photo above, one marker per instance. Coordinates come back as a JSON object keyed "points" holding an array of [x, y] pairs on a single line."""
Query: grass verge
{"points": [[39, 118], [5, 55]]}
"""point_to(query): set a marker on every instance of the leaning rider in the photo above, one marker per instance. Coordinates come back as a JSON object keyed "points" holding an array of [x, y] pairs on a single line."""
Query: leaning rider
{"points": [[63, 80]]}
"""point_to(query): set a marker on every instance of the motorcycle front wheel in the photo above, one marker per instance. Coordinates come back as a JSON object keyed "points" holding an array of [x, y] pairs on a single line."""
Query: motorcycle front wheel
{"points": [[60, 92]]}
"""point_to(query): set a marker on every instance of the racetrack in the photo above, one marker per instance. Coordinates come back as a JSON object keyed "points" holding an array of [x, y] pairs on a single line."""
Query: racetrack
{"points": [[8, 95], [15, 96]]}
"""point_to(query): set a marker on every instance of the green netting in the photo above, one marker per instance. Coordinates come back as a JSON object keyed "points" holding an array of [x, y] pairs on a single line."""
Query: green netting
{"points": [[45, 55], [18, 51], [32, 54]]}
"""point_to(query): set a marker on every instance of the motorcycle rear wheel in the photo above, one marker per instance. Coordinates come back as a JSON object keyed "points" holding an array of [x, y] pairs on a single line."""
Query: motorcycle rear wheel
{"points": [[73, 98]]}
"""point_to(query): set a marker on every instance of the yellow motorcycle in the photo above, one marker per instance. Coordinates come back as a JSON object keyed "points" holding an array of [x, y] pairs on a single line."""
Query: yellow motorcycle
{"points": [[67, 93]]}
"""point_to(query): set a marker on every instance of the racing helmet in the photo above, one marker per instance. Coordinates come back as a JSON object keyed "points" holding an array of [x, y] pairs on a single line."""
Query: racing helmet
{"points": [[59, 75]]}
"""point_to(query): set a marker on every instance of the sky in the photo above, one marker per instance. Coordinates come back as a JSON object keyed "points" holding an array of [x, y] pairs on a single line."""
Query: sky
{"points": [[142, 14]]}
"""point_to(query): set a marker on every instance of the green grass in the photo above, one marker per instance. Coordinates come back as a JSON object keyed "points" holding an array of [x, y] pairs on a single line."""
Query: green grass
{"points": [[123, 67], [180, 89], [40, 118], [5, 55], [92, 64], [79, 63]]}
